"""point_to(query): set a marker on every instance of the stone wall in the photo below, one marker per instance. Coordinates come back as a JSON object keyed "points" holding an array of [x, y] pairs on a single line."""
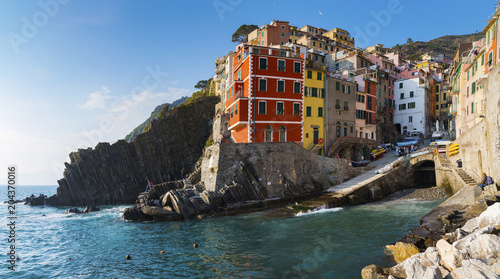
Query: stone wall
{"points": [[274, 163]]}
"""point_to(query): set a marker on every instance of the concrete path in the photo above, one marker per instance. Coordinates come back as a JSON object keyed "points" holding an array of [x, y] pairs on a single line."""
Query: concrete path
{"points": [[368, 176]]}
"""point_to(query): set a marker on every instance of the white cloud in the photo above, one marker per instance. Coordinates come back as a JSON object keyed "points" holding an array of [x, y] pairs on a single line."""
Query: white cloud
{"points": [[97, 99]]}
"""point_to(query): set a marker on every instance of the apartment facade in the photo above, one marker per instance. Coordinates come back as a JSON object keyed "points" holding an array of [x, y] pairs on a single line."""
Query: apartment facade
{"points": [[341, 109], [265, 100]]}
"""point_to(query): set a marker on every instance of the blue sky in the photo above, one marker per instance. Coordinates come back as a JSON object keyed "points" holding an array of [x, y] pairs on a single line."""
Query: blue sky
{"points": [[74, 72]]}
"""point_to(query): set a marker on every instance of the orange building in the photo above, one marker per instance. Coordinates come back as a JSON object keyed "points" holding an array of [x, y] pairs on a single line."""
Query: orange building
{"points": [[265, 100]]}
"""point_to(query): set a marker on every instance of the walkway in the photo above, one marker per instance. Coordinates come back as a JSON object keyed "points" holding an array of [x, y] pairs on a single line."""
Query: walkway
{"points": [[368, 176]]}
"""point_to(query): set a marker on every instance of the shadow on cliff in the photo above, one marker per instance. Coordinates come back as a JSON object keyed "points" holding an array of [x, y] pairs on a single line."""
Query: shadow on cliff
{"points": [[117, 173]]}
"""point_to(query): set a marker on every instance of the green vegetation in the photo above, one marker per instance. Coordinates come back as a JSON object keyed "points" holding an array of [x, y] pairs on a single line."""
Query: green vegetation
{"points": [[446, 45], [241, 35], [154, 115]]}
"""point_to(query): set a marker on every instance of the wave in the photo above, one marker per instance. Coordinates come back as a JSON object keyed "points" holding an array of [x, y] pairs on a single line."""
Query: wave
{"points": [[318, 211]]}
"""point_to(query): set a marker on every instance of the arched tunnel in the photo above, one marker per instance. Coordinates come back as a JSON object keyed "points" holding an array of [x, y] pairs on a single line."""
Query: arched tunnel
{"points": [[424, 174]]}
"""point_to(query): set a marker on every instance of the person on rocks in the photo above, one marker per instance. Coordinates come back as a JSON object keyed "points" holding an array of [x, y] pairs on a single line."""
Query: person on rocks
{"points": [[150, 184], [484, 182]]}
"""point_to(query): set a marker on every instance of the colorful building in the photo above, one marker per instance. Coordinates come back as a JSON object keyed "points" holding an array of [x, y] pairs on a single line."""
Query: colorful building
{"points": [[275, 33], [314, 94], [341, 36], [340, 102], [265, 100]]}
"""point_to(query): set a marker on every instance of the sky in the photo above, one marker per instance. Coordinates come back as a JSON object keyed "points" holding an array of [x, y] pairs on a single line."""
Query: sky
{"points": [[74, 73]]}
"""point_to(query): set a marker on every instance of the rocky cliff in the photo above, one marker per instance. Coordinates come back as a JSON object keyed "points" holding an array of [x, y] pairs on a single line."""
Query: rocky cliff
{"points": [[117, 173]]}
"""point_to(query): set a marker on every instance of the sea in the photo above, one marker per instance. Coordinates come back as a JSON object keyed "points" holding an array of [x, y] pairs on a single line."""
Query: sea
{"points": [[328, 243]]}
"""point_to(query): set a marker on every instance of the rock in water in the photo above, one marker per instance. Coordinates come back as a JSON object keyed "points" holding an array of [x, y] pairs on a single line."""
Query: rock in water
{"points": [[72, 210], [403, 251], [91, 208]]}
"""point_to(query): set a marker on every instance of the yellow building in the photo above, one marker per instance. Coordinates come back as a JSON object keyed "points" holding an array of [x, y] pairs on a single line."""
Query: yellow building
{"points": [[340, 36], [314, 107]]}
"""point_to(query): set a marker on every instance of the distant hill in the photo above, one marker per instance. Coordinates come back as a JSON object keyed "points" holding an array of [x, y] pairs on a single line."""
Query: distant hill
{"points": [[154, 115], [446, 45]]}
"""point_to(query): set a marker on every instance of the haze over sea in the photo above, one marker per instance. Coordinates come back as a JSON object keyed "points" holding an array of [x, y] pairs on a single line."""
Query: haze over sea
{"points": [[333, 243]]}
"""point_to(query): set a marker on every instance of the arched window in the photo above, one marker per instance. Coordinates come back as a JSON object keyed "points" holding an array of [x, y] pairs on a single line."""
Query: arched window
{"points": [[269, 134], [282, 133], [337, 129]]}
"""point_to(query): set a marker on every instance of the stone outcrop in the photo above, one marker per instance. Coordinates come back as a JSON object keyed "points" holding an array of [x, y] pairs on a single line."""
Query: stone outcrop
{"points": [[239, 178], [474, 252], [117, 173], [34, 200]]}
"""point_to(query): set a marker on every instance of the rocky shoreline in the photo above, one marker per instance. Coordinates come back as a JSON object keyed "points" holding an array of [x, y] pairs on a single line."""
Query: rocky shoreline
{"points": [[458, 239]]}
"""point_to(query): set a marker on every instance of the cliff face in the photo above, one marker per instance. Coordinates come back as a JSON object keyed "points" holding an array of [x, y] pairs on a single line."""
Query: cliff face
{"points": [[116, 174]]}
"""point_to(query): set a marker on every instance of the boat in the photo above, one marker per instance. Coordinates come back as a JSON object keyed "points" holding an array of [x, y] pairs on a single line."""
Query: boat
{"points": [[378, 153], [362, 163], [409, 141]]}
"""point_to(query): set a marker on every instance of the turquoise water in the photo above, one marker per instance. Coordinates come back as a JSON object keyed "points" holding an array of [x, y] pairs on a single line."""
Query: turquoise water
{"points": [[335, 243]]}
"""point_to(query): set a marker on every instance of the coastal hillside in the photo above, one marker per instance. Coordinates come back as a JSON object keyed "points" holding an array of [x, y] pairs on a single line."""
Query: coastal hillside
{"points": [[154, 115], [446, 45], [117, 173]]}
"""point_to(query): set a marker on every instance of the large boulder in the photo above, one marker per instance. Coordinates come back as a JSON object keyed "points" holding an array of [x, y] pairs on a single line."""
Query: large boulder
{"points": [[471, 225], [467, 273], [464, 243], [451, 258], [370, 272], [432, 272], [490, 217], [489, 271], [417, 265], [403, 251], [484, 246]]}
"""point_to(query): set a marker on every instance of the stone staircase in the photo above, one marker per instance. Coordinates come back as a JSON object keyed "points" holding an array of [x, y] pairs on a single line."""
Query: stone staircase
{"points": [[467, 178], [445, 161], [187, 183]]}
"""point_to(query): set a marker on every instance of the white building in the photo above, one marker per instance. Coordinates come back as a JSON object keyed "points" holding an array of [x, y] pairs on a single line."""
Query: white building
{"points": [[413, 100]]}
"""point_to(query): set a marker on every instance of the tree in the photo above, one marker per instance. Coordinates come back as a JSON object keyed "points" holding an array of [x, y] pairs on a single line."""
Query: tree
{"points": [[241, 35], [409, 41], [202, 84]]}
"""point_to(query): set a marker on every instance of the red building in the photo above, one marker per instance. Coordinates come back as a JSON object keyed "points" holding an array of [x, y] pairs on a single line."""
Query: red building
{"points": [[265, 101]]}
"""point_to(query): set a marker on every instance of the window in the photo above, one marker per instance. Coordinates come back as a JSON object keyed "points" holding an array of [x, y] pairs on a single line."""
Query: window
{"points": [[343, 88], [231, 113], [282, 35], [280, 108], [263, 63], [262, 107], [296, 87], [320, 111], [437, 106], [437, 97], [322, 93], [240, 74], [281, 65], [467, 91], [372, 135], [472, 108], [410, 119], [256, 50], [345, 131], [296, 109], [443, 106], [348, 90], [262, 85], [281, 86], [296, 67], [337, 86], [319, 76], [412, 94], [308, 111], [282, 133], [314, 92], [444, 96], [482, 60], [346, 106], [321, 45], [473, 87], [401, 85], [314, 44], [269, 134], [236, 109], [309, 74], [402, 106], [411, 105], [282, 26], [337, 104], [282, 53], [369, 103]]}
